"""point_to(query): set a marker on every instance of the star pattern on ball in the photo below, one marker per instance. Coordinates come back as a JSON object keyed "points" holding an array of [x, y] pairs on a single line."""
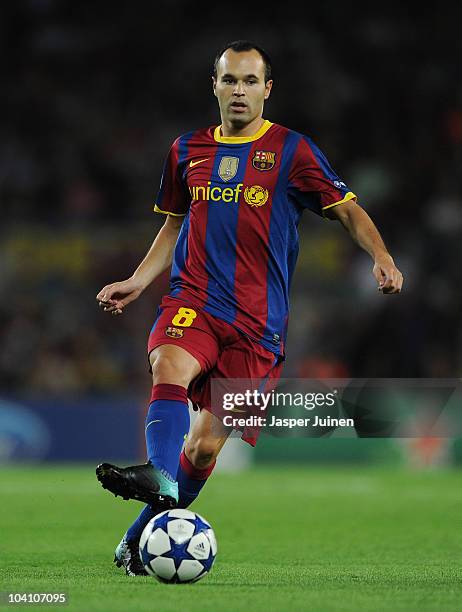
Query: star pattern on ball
{"points": [[178, 552], [161, 522], [200, 525]]}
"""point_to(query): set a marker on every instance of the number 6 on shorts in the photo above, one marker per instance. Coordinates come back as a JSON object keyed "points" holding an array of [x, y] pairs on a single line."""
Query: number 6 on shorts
{"points": [[184, 317]]}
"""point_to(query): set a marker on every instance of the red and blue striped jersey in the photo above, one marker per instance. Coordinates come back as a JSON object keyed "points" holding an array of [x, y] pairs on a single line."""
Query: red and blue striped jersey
{"points": [[242, 198]]}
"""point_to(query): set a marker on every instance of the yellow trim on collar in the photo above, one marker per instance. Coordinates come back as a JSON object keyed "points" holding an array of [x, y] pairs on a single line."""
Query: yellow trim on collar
{"points": [[241, 139], [349, 196], [167, 212]]}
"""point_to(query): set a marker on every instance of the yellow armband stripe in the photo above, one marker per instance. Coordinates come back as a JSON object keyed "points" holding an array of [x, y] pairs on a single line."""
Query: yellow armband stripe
{"points": [[167, 212], [349, 196]]}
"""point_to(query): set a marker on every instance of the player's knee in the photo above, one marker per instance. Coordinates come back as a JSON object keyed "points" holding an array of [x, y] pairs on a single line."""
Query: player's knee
{"points": [[165, 369], [173, 365], [202, 452]]}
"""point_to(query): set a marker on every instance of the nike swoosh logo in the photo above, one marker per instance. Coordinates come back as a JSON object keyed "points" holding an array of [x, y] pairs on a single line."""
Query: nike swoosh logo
{"points": [[199, 161], [236, 410], [151, 422]]}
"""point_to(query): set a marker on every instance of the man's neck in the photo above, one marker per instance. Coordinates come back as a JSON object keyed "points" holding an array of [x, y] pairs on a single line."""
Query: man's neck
{"points": [[227, 129]]}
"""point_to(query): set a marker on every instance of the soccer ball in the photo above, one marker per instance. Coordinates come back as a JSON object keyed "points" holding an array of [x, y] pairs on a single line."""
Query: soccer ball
{"points": [[178, 546]]}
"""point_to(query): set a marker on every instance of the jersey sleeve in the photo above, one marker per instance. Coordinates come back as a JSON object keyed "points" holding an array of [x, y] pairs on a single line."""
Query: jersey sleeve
{"points": [[173, 197], [312, 181]]}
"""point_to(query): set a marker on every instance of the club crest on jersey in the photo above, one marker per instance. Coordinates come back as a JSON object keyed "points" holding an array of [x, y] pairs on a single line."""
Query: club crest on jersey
{"points": [[264, 160], [228, 167], [174, 332], [255, 195]]}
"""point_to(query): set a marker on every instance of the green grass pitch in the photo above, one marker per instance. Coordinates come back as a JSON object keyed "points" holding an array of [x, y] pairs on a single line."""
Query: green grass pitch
{"points": [[289, 538]]}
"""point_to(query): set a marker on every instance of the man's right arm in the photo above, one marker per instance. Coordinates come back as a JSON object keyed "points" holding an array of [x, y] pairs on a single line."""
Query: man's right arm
{"points": [[113, 298]]}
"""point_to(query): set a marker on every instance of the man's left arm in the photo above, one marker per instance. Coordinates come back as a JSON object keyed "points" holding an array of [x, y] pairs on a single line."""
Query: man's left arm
{"points": [[363, 231]]}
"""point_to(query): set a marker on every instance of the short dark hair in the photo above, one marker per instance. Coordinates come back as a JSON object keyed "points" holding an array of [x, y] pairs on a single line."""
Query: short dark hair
{"points": [[244, 45]]}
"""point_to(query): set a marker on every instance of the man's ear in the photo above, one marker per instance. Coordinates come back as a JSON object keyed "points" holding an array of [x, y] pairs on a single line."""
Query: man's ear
{"points": [[268, 86], [214, 85]]}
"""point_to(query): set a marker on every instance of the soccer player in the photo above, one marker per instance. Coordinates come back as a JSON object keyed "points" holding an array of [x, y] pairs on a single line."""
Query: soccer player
{"points": [[233, 195]]}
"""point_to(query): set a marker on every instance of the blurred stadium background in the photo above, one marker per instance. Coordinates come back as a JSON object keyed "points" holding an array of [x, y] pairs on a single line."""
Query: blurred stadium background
{"points": [[93, 95]]}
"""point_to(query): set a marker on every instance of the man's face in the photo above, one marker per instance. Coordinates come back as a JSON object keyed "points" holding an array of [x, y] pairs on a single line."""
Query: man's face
{"points": [[240, 86]]}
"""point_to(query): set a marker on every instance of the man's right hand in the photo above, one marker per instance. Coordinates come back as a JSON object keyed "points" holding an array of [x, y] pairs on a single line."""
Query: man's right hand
{"points": [[113, 298]]}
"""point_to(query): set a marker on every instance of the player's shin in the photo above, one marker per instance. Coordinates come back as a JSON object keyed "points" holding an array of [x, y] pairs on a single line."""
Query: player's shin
{"points": [[190, 480], [167, 423]]}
